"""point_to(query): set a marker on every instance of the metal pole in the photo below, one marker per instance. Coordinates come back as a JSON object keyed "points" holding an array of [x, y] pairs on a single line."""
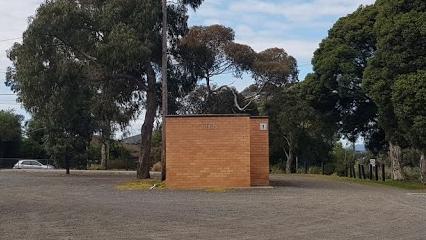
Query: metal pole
{"points": [[164, 89]]}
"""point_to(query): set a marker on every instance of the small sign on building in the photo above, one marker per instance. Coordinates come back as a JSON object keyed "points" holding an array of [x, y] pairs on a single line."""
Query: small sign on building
{"points": [[263, 127]]}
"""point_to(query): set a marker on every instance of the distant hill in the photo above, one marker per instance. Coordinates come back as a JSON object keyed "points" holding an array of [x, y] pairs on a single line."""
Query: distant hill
{"points": [[134, 140]]}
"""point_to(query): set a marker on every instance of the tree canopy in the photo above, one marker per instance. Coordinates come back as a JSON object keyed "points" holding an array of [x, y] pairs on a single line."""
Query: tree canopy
{"points": [[10, 133], [85, 63]]}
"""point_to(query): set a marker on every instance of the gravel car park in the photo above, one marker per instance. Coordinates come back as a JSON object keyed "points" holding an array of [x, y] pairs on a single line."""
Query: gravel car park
{"points": [[88, 205]]}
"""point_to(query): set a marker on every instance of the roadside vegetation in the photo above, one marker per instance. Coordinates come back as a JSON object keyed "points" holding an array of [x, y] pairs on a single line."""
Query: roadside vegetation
{"points": [[407, 185], [86, 69]]}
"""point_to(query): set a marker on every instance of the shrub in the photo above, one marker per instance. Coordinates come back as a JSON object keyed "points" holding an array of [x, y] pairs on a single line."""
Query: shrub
{"points": [[157, 167], [315, 170], [277, 169], [122, 164], [411, 173], [95, 167]]}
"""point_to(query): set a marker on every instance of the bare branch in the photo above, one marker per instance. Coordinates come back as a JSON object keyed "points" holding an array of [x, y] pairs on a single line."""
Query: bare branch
{"points": [[87, 56]]}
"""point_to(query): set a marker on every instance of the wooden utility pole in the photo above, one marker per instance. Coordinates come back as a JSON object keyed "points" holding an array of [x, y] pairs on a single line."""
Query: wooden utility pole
{"points": [[164, 89]]}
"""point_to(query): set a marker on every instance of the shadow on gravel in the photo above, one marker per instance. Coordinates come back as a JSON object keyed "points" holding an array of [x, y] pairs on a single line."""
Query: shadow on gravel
{"points": [[305, 182]]}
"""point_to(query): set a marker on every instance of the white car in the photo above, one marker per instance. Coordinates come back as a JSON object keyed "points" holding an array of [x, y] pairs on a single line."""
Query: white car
{"points": [[31, 164]]}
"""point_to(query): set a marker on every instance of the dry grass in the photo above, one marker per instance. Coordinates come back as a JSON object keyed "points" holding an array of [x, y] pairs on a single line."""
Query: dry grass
{"points": [[408, 185], [141, 185], [217, 190]]}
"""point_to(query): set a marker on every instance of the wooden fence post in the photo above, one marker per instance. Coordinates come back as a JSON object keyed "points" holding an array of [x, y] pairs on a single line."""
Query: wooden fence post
{"points": [[353, 169], [370, 174], [363, 171], [359, 171], [376, 171], [346, 170], [383, 173]]}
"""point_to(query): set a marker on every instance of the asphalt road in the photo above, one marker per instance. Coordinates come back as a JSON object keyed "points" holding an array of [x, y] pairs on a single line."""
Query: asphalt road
{"points": [[41, 205]]}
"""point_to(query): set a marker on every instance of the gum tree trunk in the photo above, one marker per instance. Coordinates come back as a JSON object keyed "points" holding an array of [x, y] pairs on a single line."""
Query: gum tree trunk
{"points": [[105, 155], [423, 167], [290, 161], [395, 158], [67, 164], [148, 125]]}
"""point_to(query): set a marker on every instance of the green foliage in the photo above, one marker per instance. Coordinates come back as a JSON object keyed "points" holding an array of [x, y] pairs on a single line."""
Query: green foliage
{"points": [[156, 146], [10, 133], [400, 31], [209, 51], [315, 170], [94, 152], [120, 157], [296, 129], [410, 158], [409, 100], [274, 67], [83, 67], [339, 65], [340, 156]]}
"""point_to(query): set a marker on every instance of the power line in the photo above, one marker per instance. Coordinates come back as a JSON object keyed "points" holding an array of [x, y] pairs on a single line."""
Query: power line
{"points": [[11, 104], [10, 39]]}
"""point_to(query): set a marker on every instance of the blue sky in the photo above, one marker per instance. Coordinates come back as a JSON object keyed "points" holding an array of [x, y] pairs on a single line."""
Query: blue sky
{"points": [[298, 26]]}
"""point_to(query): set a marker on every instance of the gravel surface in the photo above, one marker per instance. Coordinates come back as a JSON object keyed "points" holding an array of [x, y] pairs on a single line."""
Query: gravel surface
{"points": [[50, 205]]}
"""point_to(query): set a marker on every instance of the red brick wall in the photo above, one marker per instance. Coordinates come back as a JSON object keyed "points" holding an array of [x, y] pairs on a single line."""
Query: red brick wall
{"points": [[204, 152], [259, 152]]}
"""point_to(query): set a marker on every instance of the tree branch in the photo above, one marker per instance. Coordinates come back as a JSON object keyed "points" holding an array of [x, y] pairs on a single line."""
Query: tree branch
{"points": [[237, 105], [87, 56]]}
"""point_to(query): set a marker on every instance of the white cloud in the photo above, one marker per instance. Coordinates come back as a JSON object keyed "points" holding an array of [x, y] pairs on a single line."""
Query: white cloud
{"points": [[300, 49], [298, 11], [13, 22]]}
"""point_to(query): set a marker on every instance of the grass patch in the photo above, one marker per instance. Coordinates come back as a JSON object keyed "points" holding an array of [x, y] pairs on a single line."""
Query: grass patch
{"points": [[141, 185], [391, 183], [408, 185], [217, 190]]}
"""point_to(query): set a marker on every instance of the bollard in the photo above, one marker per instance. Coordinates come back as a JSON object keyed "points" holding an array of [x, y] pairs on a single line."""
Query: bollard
{"points": [[383, 173]]}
